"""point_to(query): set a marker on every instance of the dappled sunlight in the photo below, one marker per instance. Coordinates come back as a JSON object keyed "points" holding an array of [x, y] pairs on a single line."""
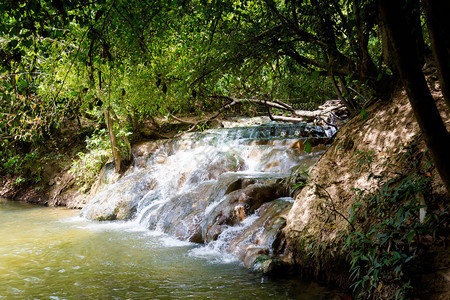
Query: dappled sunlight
{"points": [[389, 127]]}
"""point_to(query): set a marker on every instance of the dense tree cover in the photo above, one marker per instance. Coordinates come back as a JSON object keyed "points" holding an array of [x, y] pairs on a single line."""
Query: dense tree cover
{"points": [[120, 62]]}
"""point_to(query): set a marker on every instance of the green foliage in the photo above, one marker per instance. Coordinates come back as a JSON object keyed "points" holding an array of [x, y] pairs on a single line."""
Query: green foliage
{"points": [[364, 114], [297, 179], [88, 165], [19, 180], [384, 250], [308, 147], [21, 110], [26, 168], [145, 60], [387, 225]]}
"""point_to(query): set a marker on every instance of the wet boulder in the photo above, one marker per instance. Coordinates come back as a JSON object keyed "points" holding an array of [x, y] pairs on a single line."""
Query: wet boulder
{"points": [[237, 205], [182, 214], [260, 242], [120, 205]]}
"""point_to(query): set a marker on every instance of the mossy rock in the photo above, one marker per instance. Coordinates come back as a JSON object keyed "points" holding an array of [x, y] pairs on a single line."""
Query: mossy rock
{"points": [[265, 264]]}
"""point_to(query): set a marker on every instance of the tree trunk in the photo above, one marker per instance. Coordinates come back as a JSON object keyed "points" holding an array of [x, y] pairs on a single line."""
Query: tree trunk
{"points": [[438, 23], [408, 62], [347, 104], [352, 102], [366, 67], [386, 46], [112, 138]]}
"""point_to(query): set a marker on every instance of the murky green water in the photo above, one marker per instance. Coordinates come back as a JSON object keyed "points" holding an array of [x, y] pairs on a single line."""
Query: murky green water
{"points": [[50, 253]]}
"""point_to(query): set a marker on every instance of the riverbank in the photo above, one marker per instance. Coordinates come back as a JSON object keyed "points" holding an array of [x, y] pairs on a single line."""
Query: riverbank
{"points": [[381, 214]]}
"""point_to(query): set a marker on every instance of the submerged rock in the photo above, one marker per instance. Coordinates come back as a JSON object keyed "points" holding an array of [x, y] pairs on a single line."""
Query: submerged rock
{"points": [[265, 264]]}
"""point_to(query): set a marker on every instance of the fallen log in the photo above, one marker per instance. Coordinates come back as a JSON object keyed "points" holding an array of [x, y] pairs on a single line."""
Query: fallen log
{"points": [[275, 104], [232, 103], [298, 115], [283, 106], [315, 113], [278, 104], [288, 119]]}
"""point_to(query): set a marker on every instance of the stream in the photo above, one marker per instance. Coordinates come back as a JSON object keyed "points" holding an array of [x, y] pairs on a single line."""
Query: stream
{"points": [[52, 253], [200, 216]]}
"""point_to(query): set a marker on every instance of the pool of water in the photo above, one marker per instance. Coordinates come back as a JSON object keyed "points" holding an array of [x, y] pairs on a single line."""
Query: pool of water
{"points": [[51, 253]]}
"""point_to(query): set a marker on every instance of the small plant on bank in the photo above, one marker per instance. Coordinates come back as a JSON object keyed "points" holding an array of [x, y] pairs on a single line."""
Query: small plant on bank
{"points": [[388, 228], [385, 244], [88, 165]]}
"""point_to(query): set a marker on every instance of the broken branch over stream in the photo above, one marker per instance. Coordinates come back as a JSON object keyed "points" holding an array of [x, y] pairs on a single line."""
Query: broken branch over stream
{"points": [[320, 114]]}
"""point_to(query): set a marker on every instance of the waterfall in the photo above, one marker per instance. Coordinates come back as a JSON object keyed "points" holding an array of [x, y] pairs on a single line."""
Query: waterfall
{"points": [[221, 187]]}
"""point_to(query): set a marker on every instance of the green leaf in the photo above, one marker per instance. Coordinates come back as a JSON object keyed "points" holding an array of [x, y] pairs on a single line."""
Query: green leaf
{"points": [[409, 258], [349, 239], [396, 255], [379, 76], [411, 235], [308, 146], [314, 75], [352, 211], [364, 114]]}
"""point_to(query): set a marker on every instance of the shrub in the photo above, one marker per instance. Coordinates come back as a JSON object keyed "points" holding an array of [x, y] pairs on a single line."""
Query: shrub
{"points": [[88, 165]]}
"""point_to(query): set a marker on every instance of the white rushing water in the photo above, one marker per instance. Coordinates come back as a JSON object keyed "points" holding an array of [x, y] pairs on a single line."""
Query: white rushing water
{"points": [[211, 187]]}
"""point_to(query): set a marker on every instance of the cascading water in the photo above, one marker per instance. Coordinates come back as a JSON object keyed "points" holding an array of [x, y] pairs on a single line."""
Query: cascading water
{"points": [[221, 187]]}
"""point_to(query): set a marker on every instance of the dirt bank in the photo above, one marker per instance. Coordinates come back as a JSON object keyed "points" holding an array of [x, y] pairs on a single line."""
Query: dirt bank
{"points": [[385, 142]]}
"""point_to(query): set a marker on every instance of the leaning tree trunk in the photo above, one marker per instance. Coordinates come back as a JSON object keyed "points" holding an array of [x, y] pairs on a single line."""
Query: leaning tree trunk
{"points": [[112, 137], [438, 22], [349, 104], [408, 62], [366, 66]]}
